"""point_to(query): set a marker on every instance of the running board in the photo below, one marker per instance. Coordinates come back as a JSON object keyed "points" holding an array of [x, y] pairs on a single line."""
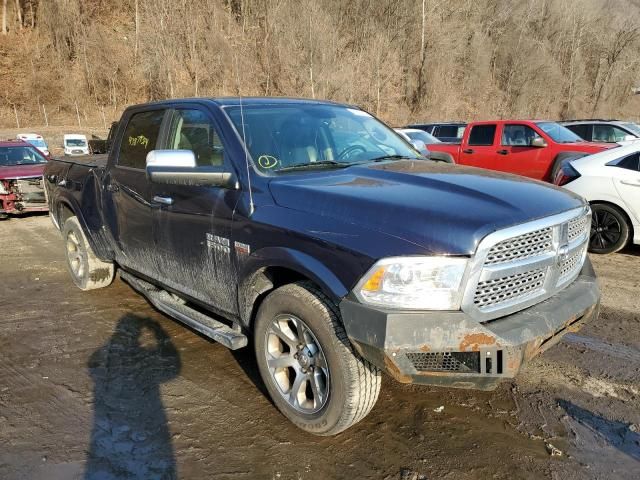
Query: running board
{"points": [[200, 322]]}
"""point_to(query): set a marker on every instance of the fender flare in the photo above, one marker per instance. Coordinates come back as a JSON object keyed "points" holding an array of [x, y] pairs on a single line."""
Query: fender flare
{"points": [[67, 201], [252, 281], [441, 157], [561, 159]]}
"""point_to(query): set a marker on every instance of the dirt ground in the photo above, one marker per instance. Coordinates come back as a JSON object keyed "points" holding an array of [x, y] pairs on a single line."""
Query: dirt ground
{"points": [[100, 385]]}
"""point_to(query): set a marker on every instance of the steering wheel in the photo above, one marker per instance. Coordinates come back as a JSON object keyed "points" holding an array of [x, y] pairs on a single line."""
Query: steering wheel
{"points": [[350, 150]]}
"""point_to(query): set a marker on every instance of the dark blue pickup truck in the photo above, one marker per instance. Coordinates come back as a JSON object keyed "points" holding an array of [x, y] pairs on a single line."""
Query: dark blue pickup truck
{"points": [[315, 230]]}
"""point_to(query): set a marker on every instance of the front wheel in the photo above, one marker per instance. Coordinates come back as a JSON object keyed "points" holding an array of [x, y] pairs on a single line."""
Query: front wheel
{"points": [[609, 229], [307, 363]]}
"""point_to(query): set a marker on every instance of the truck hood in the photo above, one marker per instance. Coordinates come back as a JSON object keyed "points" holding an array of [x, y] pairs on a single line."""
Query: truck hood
{"points": [[440, 208], [21, 171], [587, 146]]}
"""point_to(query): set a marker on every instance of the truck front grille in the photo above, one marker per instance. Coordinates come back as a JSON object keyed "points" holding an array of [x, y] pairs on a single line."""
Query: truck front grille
{"points": [[520, 266], [522, 246], [496, 291]]}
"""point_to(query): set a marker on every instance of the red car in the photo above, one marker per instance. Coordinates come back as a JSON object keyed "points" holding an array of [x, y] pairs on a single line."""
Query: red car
{"points": [[21, 185], [535, 149]]}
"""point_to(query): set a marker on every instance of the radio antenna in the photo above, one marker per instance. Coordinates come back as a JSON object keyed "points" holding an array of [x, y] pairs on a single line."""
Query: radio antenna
{"points": [[244, 139]]}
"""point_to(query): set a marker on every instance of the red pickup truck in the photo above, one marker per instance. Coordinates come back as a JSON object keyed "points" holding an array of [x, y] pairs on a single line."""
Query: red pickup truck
{"points": [[531, 148]]}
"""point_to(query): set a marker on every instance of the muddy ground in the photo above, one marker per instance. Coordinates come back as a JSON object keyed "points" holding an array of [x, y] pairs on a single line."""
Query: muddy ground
{"points": [[100, 385]]}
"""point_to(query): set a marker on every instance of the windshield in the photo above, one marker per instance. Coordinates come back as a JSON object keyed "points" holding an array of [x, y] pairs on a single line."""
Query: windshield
{"points": [[20, 156], [37, 142], [297, 136], [427, 138], [75, 142], [558, 133], [634, 127]]}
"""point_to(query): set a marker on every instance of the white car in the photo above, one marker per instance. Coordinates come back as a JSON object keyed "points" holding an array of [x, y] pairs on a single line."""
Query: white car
{"points": [[610, 181], [75, 144], [35, 140], [419, 139]]}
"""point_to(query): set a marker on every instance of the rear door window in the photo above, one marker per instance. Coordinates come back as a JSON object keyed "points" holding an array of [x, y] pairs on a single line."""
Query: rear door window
{"points": [[482, 135], [140, 137], [583, 131], [447, 131], [630, 162]]}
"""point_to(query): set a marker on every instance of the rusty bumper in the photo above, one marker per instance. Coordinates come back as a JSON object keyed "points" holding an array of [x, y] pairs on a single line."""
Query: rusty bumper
{"points": [[452, 349]]}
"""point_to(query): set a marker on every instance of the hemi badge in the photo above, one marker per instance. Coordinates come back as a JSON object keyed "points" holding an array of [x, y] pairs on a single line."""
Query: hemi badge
{"points": [[242, 248]]}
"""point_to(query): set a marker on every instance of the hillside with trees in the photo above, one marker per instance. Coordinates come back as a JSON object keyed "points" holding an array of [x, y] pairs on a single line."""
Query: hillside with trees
{"points": [[64, 61]]}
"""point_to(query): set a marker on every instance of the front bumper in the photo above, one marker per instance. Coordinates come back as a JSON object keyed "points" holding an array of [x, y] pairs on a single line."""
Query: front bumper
{"points": [[452, 349]]}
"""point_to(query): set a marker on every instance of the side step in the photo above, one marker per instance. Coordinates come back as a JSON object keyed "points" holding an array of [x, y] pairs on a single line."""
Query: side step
{"points": [[204, 324]]}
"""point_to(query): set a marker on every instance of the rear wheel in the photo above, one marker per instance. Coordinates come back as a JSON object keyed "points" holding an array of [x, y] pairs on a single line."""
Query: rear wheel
{"points": [[307, 363], [609, 229], [87, 270]]}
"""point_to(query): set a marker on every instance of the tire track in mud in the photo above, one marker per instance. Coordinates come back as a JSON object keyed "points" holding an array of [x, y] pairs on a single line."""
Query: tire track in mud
{"points": [[222, 425]]}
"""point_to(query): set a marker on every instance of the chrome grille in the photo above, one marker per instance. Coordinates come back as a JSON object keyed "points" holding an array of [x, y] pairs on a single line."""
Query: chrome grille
{"points": [[519, 266], [522, 246], [511, 287], [571, 265], [579, 226]]}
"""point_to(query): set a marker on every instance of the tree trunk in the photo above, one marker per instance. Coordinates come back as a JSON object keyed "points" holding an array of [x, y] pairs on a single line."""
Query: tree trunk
{"points": [[19, 13], [4, 17]]}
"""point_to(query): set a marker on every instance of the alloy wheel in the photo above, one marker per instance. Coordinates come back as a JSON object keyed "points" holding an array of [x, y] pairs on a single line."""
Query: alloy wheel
{"points": [[297, 364]]}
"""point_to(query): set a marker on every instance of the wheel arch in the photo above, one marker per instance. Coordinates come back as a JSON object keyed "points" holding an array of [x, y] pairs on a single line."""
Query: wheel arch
{"points": [[622, 209], [273, 267]]}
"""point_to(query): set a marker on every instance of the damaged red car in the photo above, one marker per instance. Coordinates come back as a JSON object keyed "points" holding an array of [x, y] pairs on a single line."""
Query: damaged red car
{"points": [[21, 185]]}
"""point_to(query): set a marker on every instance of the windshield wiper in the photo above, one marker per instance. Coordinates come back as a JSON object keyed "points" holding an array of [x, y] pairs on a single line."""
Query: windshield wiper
{"points": [[321, 164], [388, 157]]}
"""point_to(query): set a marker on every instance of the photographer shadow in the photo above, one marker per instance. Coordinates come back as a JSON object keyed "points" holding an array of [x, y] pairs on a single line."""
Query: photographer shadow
{"points": [[130, 437]]}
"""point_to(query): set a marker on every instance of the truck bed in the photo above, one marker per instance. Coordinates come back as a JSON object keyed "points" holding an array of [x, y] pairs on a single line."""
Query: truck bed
{"points": [[93, 161]]}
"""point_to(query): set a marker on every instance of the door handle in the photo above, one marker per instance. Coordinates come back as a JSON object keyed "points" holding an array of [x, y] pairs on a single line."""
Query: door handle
{"points": [[467, 150], [112, 187], [163, 200], [631, 183], [503, 152]]}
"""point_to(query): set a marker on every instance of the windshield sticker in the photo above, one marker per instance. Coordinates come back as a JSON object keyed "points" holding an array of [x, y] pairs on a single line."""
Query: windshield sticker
{"points": [[139, 140], [358, 112], [267, 161]]}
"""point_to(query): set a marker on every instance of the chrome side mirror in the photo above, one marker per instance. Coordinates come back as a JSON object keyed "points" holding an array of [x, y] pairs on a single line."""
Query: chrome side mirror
{"points": [[538, 142], [179, 167]]}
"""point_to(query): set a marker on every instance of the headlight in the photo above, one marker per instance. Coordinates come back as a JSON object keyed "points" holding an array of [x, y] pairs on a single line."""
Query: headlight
{"points": [[424, 283]]}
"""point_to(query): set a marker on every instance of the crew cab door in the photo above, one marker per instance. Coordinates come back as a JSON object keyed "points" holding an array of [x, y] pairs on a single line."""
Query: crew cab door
{"points": [[127, 192], [477, 148], [193, 223], [516, 154]]}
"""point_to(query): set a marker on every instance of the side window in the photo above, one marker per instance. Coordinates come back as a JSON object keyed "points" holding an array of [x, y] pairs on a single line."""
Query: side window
{"points": [[518, 135], [192, 130], [608, 133], [482, 135], [582, 130], [140, 138], [447, 131], [630, 162]]}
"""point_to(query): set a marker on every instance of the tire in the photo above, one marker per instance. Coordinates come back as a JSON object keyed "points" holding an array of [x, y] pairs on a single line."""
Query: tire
{"points": [[87, 271], [351, 384], [610, 229]]}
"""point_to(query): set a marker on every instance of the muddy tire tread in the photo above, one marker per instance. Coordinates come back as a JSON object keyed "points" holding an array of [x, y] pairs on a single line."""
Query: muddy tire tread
{"points": [[365, 377]]}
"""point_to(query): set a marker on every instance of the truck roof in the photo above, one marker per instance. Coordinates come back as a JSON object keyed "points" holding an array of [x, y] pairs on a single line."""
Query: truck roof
{"points": [[72, 136], [246, 101]]}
